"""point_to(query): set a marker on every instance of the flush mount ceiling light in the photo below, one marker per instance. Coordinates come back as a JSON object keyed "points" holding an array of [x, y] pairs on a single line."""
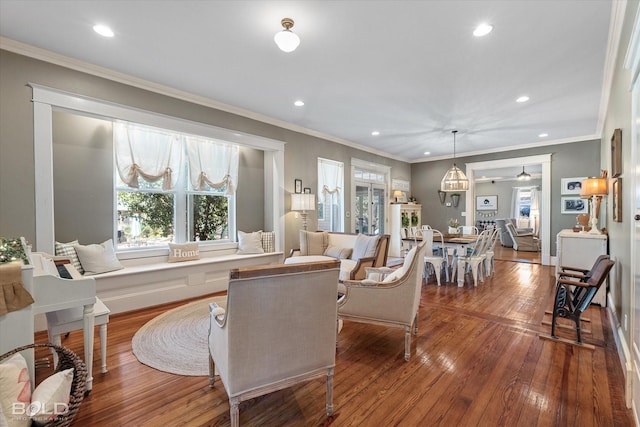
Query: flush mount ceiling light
{"points": [[523, 176], [482, 30], [523, 98], [454, 179], [375, 133], [299, 103], [286, 39], [543, 135], [103, 30]]}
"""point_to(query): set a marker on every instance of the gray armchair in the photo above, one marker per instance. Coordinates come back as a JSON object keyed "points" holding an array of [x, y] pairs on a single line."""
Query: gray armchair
{"points": [[523, 241], [505, 238], [278, 329]]}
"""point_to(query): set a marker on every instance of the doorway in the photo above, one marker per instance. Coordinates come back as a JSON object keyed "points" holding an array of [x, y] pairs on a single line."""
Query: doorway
{"points": [[473, 170], [369, 213]]}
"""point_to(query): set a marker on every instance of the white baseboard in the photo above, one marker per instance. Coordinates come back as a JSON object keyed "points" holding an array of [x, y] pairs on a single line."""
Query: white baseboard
{"points": [[624, 352]]}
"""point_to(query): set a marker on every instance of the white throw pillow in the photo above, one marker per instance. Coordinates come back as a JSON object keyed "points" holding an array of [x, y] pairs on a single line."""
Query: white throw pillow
{"points": [[15, 388], [250, 243], [96, 259], [51, 397]]}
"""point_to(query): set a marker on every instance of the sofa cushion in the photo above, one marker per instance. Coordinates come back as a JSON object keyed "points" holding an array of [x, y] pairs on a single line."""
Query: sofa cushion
{"points": [[338, 253], [364, 247], [313, 243]]}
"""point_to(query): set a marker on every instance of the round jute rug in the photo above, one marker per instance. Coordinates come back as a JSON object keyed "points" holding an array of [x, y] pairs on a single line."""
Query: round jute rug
{"points": [[176, 341]]}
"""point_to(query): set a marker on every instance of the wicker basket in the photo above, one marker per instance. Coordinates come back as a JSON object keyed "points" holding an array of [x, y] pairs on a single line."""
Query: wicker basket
{"points": [[66, 359]]}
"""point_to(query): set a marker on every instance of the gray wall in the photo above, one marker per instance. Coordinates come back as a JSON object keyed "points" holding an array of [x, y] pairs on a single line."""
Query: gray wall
{"points": [[568, 160], [619, 117], [17, 196]]}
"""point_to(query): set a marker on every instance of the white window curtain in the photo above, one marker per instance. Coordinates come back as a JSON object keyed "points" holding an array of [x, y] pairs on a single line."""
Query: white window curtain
{"points": [[515, 203], [534, 214], [148, 153], [212, 163], [331, 185]]}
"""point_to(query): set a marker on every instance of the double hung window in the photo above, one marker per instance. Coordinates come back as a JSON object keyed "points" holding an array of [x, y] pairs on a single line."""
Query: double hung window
{"points": [[172, 187]]}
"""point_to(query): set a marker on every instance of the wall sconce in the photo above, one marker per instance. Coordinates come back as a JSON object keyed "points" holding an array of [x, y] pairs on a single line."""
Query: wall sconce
{"points": [[303, 202], [595, 189]]}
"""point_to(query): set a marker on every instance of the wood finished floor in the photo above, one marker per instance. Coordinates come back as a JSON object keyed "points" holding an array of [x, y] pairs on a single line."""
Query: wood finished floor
{"points": [[477, 361]]}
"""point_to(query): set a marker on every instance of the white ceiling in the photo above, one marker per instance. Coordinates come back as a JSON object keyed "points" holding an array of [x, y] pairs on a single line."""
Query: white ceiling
{"points": [[410, 69]]}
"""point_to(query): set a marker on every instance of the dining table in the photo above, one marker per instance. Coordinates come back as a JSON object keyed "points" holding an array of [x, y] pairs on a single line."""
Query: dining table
{"points": [[455, 242]]}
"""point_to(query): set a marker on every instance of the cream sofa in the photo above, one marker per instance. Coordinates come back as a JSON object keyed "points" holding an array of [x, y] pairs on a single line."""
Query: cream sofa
{"points": [[355, 251]]}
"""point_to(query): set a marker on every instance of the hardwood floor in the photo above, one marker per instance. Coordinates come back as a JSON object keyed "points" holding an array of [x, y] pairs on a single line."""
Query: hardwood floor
{"points": [[477, 361]]}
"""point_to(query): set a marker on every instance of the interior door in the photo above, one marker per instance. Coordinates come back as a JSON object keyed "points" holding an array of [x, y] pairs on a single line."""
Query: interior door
{"points": [[635, 246], [369, 215]]}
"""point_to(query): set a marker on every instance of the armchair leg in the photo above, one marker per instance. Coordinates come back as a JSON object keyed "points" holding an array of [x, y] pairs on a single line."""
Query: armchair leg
{"points": [[407, 343], [330, 391], [234, 410], [212, 371]]}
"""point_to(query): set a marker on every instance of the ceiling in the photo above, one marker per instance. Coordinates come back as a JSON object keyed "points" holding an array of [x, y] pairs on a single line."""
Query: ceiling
{"points": [[411, 70]]}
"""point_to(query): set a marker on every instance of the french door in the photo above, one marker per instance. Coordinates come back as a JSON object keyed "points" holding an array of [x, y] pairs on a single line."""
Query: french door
{"points": [[369, 213]]}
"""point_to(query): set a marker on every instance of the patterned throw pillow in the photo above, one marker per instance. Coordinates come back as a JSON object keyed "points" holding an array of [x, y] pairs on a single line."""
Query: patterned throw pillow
{"points": [[183, 252], [338, 253], [68, 251], [269, 241]]}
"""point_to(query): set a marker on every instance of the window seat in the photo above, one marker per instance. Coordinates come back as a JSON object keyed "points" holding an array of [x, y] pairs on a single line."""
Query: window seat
{"points": [[148, 281]]}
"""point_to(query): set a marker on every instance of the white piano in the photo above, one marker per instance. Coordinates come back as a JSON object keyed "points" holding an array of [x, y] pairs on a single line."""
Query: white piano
{"points": [[50, 293]]}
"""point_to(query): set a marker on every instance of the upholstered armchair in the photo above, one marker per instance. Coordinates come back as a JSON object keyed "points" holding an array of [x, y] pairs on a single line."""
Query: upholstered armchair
{"points": [[505, 237], [393, 301], [523, 241], [278, 329]]}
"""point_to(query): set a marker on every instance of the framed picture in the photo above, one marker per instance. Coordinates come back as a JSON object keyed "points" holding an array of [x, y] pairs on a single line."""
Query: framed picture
{"points": [[616, 153], [307, 190], [298, 185], [574, 205], [486, 203], [616, 199], [571, 185]]}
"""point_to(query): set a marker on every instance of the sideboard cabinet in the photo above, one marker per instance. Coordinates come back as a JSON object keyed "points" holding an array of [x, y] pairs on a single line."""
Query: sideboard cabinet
{"points": [[581, 250]]}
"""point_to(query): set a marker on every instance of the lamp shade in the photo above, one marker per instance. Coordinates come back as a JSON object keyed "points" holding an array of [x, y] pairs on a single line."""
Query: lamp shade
{"points": [[303, 202], [454, 180], [594, 187]]}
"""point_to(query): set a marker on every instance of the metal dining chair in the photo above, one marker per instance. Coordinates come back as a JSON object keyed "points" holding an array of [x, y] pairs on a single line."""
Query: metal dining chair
{"points": [[438, 258]]}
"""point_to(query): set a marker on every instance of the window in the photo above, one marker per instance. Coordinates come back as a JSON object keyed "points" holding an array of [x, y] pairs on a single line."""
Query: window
{"points": [[171, 187], [330, 195], [524, 202]]}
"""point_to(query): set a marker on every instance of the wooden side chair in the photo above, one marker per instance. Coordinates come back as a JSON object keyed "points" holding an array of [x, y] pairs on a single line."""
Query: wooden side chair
{"points": [[575, 290]]}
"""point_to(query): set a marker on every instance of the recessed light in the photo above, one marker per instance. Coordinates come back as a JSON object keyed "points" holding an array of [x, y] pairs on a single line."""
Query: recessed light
{"points": [[103, 30], [426, 153], [482, 30], [523, 98], [298, 103], [543, 135], [375, 133]]}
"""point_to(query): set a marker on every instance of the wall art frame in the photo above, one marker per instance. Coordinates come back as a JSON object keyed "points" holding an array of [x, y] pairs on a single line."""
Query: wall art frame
{"points": [[616, 153], [574, 205], [571, 185], [616, 199], [297, 186]]}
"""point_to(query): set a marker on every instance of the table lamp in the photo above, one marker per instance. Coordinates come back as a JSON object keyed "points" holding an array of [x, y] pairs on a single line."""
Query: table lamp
{"points": [[594, 189], [303, 202]]}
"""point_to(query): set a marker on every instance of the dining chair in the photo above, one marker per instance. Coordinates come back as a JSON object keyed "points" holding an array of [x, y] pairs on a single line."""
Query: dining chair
{"points": [[468, 230], [437, 258], [489, 265], [474, 257]]}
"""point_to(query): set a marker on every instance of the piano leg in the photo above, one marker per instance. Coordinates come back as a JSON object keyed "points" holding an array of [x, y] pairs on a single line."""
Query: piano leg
{"points": [[89, 321]]}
